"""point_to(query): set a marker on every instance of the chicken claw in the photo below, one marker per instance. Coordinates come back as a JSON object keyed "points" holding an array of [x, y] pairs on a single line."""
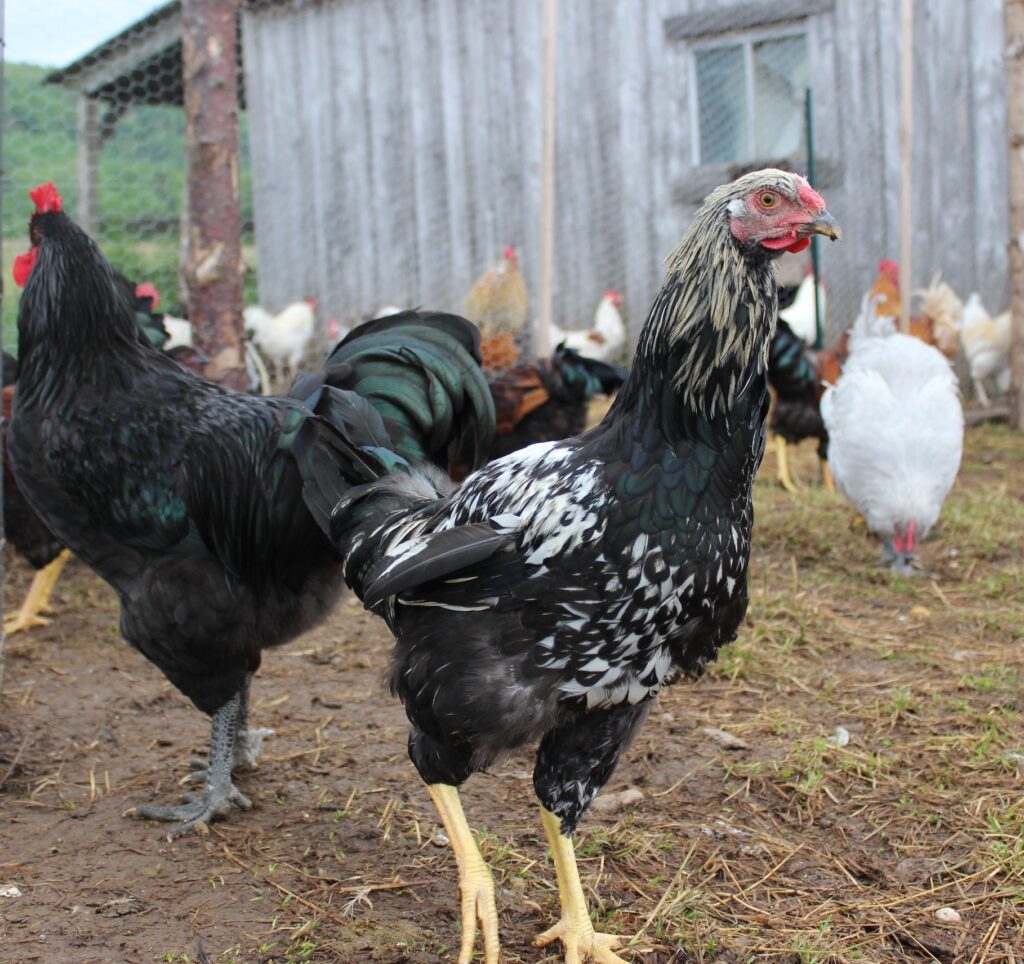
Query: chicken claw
{"points": [[582, 942], [218, 794], [200, 811]]}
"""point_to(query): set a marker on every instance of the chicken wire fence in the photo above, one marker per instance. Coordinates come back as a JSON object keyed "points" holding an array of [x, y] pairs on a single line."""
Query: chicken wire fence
{"points": [[108, 128], [391, 152]]}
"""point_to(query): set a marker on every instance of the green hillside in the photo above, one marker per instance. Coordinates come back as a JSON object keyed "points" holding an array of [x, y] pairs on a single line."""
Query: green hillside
{"points": [[140, 186]]}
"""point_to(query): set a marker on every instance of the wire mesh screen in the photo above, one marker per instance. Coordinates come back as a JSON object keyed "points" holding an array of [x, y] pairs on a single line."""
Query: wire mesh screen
{"points": [[391, 153], [108, 128]]}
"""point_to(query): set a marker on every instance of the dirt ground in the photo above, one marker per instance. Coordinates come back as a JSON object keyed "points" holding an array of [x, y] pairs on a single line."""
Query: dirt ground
{"points": [[847, 775]]}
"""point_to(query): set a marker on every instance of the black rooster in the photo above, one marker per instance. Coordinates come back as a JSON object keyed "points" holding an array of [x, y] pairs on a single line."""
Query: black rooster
{"points": [[26, 531], [186, 497], [553, 595], [545, 401]]}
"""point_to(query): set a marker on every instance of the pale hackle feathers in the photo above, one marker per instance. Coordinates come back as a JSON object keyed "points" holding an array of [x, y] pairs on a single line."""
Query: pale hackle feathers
{"points": [[943, 306]]}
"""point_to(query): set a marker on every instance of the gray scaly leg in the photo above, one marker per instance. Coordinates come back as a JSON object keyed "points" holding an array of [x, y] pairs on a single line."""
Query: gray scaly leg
{"points": [[248, 741], [218, 794]]}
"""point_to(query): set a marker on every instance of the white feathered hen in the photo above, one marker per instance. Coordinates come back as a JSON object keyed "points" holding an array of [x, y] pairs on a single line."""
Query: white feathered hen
{"points": [[986, 342], [285, 338], [896, 430]]}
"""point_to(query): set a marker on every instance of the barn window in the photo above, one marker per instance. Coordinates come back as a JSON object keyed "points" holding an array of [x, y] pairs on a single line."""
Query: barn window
{"points": [[749, 96]]}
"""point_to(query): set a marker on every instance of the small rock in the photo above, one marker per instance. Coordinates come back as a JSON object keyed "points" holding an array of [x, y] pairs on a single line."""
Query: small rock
{"points": [[842, 736], [13, 891], [440, 839], [947, 915], [725, 739], [920, 612], [614, 802], [667, 718]]}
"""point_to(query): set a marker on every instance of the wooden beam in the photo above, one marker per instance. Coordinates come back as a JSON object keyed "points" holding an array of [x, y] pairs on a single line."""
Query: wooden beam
{"points": [[89, 141], [1014, 26], [742, 16], [906, 160], [542, 336], [90, 74]]}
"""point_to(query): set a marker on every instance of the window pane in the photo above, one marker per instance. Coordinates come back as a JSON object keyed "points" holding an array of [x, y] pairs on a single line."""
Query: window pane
{"points": [[781, 74], [722, 105]]}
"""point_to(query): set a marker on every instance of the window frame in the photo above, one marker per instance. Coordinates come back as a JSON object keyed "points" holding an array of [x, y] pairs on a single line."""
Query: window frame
{"points": [[747, 38]]}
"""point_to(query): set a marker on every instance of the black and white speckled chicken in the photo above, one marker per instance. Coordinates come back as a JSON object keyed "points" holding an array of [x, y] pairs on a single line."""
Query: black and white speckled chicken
{"points": [[187, 497], [551, 597]]}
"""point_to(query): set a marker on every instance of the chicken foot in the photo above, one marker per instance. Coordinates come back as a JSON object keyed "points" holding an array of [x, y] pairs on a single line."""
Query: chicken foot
{"points": [[476, 886], [38, 599], [218, 794], [575, 929]]}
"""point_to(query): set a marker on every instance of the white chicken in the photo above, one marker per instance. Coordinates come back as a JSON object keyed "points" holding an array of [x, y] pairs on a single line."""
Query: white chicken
{"points": [[284, 338], [800, 314], [986, 343], [896, 430], [606, 340]]}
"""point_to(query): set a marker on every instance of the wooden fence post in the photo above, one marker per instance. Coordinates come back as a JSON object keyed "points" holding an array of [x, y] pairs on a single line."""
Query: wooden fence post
{"points": [[214, 269], [1014, 23]]}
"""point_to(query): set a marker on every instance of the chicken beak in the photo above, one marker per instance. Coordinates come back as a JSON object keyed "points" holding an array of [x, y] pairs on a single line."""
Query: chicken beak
{"points": [[824, 224]]}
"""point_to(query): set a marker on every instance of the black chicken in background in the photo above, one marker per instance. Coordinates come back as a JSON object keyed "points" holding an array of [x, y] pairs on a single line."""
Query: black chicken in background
{"points": [[187, 497], [26, 532], [797, 375], [552, 596], [544, 401]]}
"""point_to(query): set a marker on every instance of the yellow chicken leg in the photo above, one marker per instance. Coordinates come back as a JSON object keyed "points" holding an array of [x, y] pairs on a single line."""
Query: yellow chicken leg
{"points": [[475, 883], [827, 481], [581, 941], [38, 599], [782, 465]]}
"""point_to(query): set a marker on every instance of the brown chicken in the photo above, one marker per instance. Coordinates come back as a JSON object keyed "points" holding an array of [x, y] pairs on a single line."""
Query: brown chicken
{"points": [[499, 304], [935, 325]]}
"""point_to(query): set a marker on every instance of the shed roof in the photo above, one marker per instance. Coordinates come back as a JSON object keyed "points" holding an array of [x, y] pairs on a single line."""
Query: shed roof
{"points": [[139, 65]]}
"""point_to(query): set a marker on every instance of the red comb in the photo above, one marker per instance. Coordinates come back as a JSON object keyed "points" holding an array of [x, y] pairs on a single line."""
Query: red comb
{"points": [[614, 297], [46, 198], [510, 254], [148, 290], [890, 269]]}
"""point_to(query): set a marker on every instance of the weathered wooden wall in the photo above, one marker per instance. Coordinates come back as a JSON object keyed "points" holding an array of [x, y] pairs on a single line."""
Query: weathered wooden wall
{"points": [[396, 145]]}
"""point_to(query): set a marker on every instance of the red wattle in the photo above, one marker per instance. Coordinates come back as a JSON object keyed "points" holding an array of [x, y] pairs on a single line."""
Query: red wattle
{"points": [[799, 246], [777, 244], [23, 265]]}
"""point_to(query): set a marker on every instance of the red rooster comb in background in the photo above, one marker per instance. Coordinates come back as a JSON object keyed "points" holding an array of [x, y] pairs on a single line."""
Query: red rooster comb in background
{"points": [[890, 269], [614, 297], [510, 255], [46, 198], [147, 289]]}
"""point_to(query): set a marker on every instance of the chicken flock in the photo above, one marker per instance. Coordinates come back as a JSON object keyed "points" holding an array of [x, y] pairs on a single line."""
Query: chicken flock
{"points": [[543, 583]]}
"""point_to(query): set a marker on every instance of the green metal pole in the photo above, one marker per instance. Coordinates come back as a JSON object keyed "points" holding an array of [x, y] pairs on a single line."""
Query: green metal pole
{"points": [[819, 322]]}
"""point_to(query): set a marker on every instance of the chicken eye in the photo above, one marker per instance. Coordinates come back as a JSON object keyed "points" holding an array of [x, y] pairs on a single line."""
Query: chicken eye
{"points": [[768, 199]]}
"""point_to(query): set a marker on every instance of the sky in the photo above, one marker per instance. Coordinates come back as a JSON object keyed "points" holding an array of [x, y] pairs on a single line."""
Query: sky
{"points": [[56, 32]]}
